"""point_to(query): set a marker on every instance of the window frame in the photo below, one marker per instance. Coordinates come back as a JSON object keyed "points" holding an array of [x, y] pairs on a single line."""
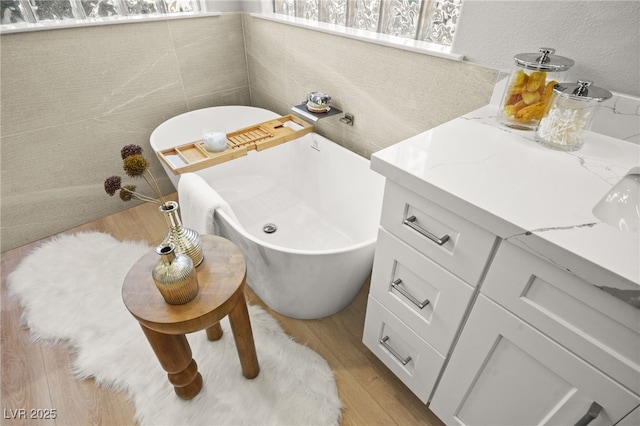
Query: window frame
{"points": [[412, 45], [265, 11], [111, 20]]}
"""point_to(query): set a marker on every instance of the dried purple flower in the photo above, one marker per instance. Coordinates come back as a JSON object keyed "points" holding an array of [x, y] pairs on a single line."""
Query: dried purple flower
{"points": [[112, 184], [135, 165], [129, 150], [127, 192]]}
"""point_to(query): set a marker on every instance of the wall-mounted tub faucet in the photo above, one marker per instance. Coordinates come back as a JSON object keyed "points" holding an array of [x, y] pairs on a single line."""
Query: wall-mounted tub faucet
{"points": [[347, 119]]}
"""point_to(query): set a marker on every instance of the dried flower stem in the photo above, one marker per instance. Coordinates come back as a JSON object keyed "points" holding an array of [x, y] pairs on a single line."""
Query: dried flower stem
{"points": [[154, 185], [141, 197]]}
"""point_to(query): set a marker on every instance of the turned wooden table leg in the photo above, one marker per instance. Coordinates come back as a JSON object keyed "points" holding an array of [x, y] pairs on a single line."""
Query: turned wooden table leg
{"points": [[214, 332], [243, 336], [174, 354]]}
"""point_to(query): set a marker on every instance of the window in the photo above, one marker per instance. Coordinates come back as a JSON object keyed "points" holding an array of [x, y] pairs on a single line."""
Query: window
{"points": [[432, 21], [34, 14]]}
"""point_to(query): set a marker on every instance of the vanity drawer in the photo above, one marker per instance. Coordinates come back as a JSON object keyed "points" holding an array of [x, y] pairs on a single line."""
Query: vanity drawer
{"points": [[409, 357], [453, 242], [596, 326], [424, 295]]}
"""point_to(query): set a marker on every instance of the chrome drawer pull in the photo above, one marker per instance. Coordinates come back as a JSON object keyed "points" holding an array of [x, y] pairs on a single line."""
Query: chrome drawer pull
{"points": [[397, 356], [396, 285], [593, 412], [410, 222]]}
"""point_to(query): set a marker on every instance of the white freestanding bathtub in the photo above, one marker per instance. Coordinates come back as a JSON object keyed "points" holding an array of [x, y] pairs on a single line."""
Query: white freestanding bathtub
{"points": [[323, 199]]}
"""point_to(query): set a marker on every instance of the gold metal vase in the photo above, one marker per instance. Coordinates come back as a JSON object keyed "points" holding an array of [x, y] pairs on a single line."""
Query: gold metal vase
{"points": [[175, 276], [186, 240]]}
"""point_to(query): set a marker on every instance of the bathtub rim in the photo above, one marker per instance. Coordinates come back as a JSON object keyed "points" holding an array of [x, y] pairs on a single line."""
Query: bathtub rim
{"points": [[222, 113]]}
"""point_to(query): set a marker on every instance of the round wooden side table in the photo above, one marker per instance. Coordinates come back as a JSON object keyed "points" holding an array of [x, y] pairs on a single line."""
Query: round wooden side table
{"points": [[221, 278]]}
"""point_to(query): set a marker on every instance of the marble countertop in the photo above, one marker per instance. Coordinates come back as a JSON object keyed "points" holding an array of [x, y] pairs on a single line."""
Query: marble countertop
{"points": [[535, 197]]}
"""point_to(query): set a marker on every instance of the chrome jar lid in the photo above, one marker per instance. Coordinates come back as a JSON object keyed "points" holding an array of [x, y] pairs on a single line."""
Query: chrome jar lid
{"points": [[582, 91], [544, 60]]}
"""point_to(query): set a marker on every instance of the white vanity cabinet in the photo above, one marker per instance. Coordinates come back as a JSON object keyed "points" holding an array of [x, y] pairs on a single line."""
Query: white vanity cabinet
{"points": [[427, 264], [492, 292], [632, 419], [600, 328], [540, 347], [505, 372]]}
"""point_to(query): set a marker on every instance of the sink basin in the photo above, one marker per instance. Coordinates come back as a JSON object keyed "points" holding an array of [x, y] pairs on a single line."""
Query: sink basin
{"points": [[620, 207]]}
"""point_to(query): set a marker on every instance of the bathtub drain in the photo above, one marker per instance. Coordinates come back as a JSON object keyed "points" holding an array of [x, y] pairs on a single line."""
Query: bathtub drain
{"points": [[270, 228]]}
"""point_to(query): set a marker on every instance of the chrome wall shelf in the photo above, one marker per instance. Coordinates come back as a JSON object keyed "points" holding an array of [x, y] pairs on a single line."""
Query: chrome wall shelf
{"points": [[314, 116]]}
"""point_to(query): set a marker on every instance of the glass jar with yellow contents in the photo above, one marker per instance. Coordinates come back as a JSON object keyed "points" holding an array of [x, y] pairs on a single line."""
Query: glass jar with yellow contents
{"points": [[529, 91]]}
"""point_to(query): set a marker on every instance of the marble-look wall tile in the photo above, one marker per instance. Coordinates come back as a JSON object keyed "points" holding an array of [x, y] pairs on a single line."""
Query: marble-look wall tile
{"points": [[237, 96], [213, 61], [619, 117], [53, 178], [67, 75], [71, 98], [392, 93], [267, 66]]}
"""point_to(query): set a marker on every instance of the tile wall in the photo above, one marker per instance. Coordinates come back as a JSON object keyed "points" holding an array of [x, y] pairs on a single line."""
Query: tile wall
{"points": [[72, 98], [392, 93]]}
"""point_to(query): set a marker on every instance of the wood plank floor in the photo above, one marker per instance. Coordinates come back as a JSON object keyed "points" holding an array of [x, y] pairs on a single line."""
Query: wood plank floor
{"points": [[38, 375]]}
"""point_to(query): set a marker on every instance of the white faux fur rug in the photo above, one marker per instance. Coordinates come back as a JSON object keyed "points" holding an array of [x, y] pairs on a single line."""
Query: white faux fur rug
{"points": [[70, 292]]}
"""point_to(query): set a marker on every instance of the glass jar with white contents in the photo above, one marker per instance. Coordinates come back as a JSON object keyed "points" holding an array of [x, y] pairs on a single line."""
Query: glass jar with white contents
{"points": [[570, 115]]}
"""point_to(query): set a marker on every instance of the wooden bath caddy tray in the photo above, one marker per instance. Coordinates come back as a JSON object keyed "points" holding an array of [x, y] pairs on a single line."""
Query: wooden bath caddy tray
{"points": [[193, 156]]}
